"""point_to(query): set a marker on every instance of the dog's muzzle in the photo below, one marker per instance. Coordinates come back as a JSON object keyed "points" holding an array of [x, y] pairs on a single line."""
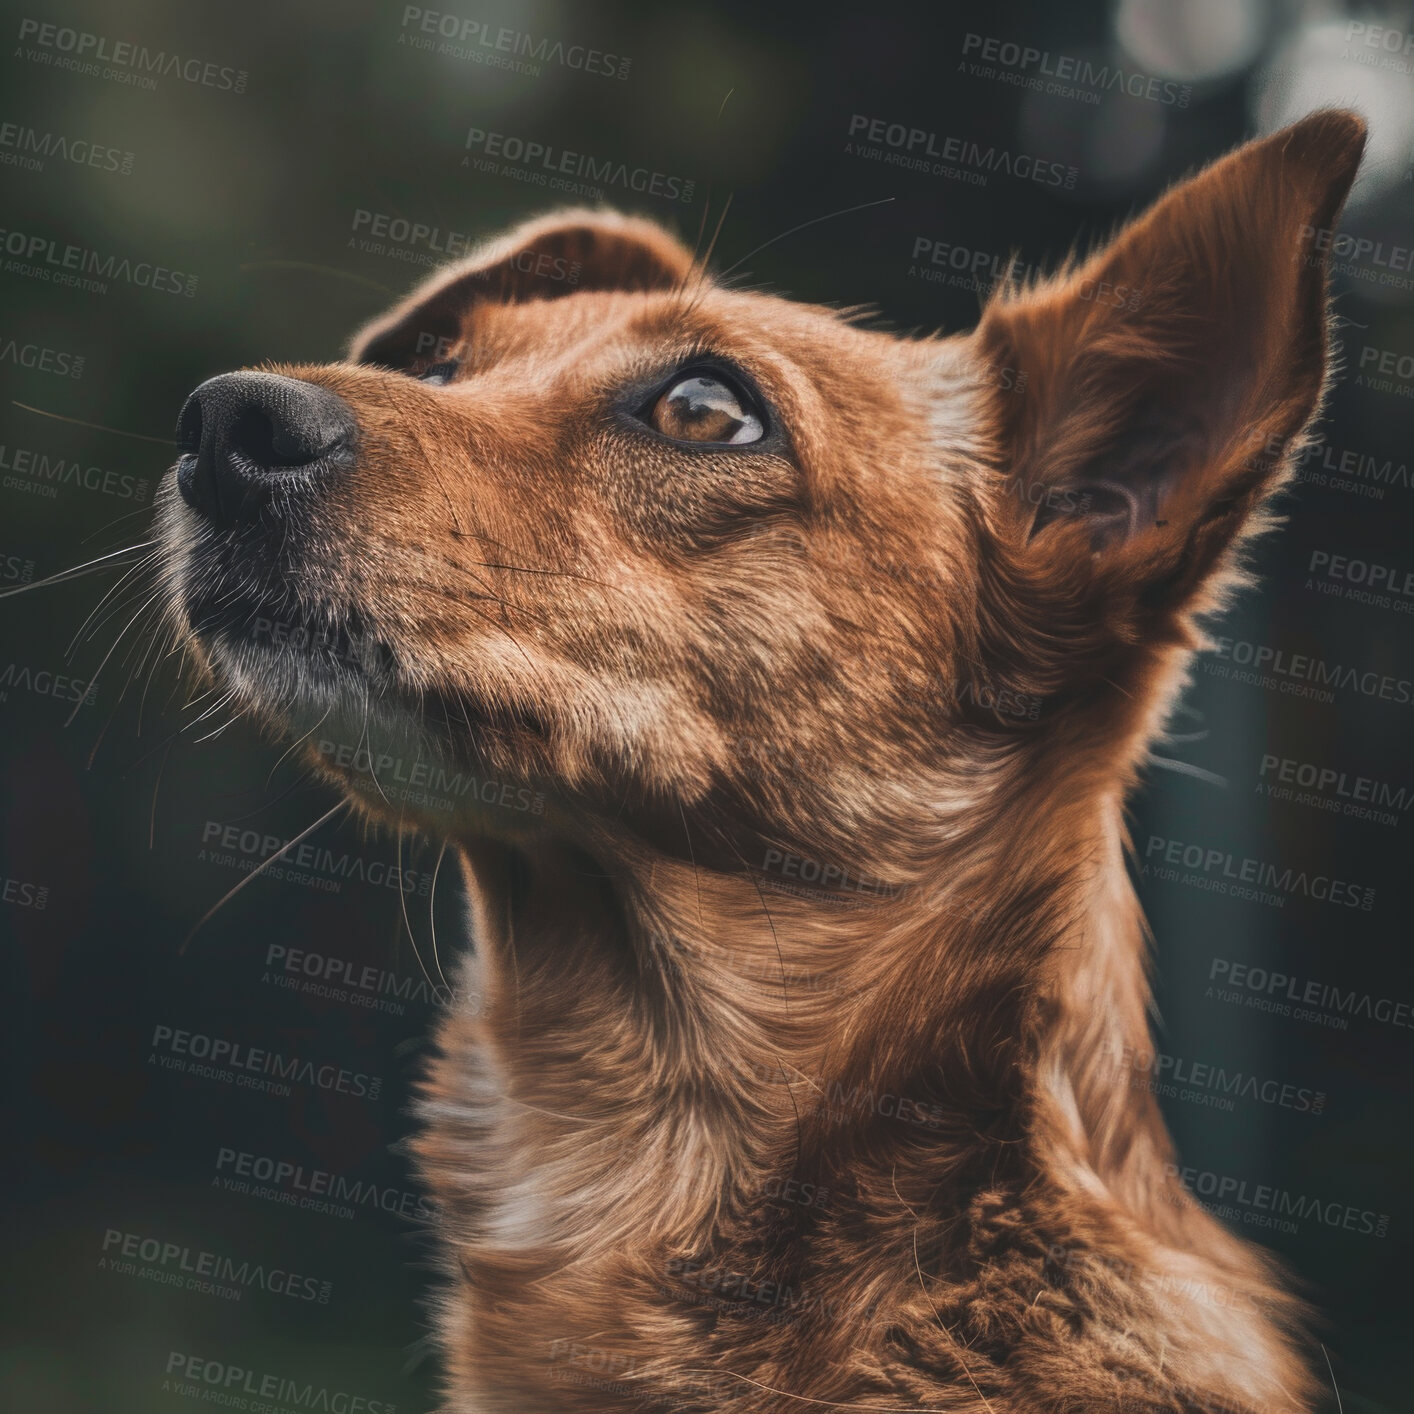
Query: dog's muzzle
{"points": [[246, 437]]}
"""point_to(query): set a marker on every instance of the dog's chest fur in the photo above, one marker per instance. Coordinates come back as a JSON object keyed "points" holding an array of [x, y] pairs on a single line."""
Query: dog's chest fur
{"points": [[632, 1228]]}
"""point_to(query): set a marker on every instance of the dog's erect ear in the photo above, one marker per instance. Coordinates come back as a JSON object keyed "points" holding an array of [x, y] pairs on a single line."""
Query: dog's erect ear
{"points": [[553, 256], [1154, 391]]}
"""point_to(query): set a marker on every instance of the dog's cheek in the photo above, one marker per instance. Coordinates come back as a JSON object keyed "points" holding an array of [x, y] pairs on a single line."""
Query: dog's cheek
{"points": [[639, 734]]}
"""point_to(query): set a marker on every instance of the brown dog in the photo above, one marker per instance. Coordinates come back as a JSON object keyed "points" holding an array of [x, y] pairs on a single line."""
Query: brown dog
{"points": [[801, 1071]]}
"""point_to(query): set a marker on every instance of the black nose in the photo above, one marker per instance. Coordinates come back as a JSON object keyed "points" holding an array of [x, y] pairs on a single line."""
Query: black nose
{"points": [[242, 436]]}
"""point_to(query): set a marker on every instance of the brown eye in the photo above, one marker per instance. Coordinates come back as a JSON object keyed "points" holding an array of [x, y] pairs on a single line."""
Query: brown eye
{"points": [[701, 408]]}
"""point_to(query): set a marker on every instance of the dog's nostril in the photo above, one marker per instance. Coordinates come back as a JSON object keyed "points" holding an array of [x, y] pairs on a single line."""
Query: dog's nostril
{"points": [[243, 433], [263, 443], [189, 427]]}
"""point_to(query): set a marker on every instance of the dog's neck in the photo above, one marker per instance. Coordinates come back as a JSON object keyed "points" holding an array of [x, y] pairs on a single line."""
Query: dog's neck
{"points": [[724, 1036], [680, 1087]]}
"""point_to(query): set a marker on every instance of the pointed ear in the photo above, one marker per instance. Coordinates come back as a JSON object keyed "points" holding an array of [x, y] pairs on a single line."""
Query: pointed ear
{"points": [[1168, 377], [556, 255]]}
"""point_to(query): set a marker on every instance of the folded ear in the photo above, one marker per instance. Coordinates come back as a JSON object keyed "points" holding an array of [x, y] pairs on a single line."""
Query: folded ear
{"points": [[556, 255], [1168, 378]]}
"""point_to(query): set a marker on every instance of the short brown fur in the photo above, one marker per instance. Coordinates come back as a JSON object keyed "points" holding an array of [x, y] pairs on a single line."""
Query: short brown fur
{"points": [[710, 1135]]}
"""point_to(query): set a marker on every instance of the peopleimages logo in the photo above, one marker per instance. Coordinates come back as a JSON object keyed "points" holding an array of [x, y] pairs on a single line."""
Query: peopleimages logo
{"points": [[1385, 371], [1299, 674], [40, 474], [1326, 788], [41, 358], [336, 979], [827, 876], [1264, 1205], [1062, 75], [209, 1273], [1203, 1083], [28, 148], [425, 783], [1345, 468], [17, 569], [559, 169], [947, 262], [962, 159], [1178, 1289], [1387, 48], [1359, 256], [44, 258], [1302, 999], [828, 1098], [1382, 586], [220, 1383], [725, 1288], [19, 893], [311, 1189], [23, 677], [416, 242], [128, 62], [1243, 877], [420, 243], [306, 863], [502, 47], [253, 1067]]}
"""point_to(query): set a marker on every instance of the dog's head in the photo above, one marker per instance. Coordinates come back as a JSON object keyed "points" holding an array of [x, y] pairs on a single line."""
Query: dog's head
{"points": [[580, 524]]}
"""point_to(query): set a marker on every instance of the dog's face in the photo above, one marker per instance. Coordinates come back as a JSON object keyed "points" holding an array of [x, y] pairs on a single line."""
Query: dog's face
{"points": [[576, 519]]}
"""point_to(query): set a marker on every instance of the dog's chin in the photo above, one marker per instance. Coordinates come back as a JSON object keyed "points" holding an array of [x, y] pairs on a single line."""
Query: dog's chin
{"points": [[410, 760], [292, 692], [291, 670]]}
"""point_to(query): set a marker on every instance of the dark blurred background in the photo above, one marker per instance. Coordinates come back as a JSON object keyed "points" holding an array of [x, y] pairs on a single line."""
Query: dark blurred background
{"points": [[286, 170]]}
